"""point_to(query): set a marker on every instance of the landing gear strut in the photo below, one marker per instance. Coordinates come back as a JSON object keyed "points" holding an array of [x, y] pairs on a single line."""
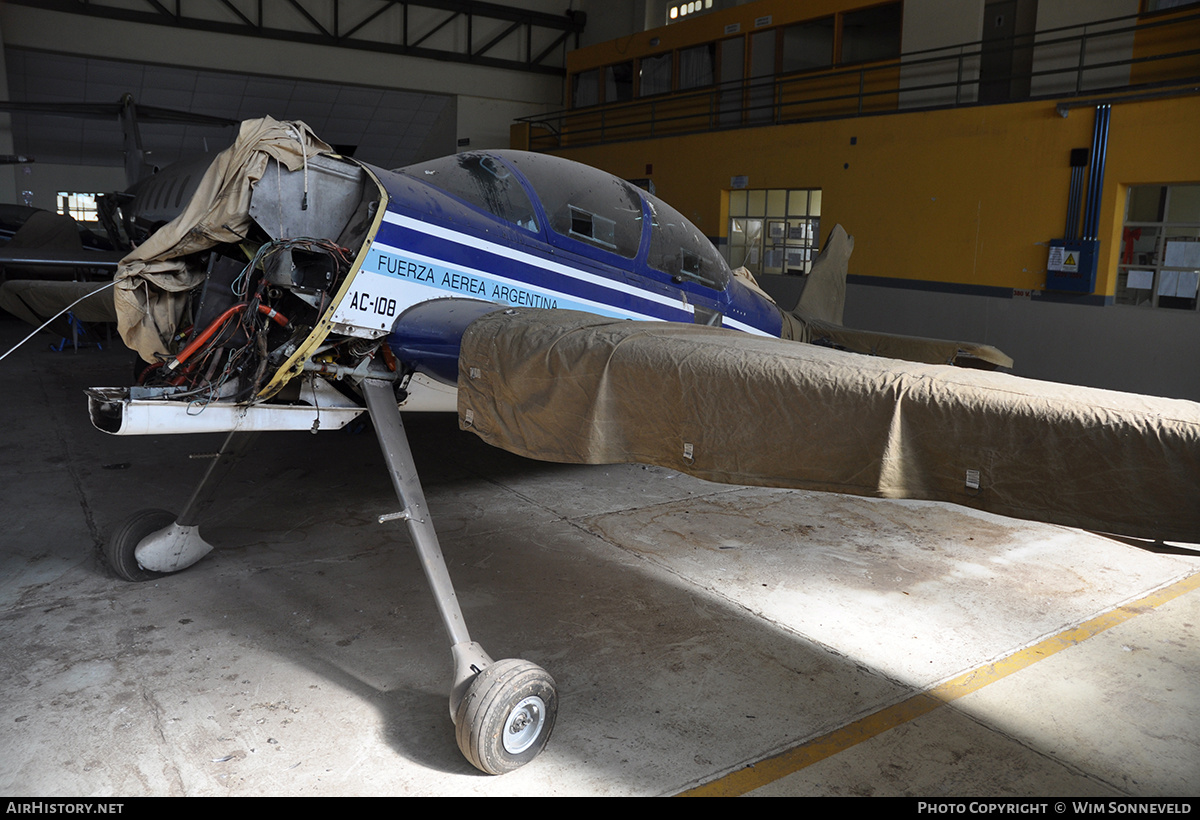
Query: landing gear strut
{"points": [[151, 543], [503, 710]]}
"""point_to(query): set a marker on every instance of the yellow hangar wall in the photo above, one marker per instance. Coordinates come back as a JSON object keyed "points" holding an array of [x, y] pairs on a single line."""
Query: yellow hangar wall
{"points": [[952, 211], [967, 196], [952, 208]]}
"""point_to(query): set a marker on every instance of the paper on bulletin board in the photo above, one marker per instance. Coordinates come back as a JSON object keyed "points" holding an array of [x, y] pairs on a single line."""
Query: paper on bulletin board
{"points": [[1056, 258], [1182, 254], [1181, 283], [1140, 280]]}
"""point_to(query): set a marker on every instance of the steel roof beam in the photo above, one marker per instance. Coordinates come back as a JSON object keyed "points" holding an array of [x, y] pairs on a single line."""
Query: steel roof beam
{"points": [[310, 29]]}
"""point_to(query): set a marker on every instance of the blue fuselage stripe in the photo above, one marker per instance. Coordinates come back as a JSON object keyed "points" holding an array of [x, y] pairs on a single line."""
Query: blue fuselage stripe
{"points": [[522, 273], [461, 264]]}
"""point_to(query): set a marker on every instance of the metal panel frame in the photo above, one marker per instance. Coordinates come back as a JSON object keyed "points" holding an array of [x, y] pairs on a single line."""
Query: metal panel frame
{"points": [[246, 18]]}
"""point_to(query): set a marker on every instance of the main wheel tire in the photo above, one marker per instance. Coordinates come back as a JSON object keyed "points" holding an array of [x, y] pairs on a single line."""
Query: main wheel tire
{"points": [[119, 551], [506, 716]]}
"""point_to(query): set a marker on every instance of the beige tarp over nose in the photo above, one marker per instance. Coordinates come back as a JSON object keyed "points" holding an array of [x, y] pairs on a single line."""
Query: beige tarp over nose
{"points": [[153, 280]]}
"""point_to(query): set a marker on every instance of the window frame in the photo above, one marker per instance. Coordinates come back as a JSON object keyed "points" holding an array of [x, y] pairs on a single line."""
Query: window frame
{"points": [[796, 229], [1157, 264], [81, 206]]}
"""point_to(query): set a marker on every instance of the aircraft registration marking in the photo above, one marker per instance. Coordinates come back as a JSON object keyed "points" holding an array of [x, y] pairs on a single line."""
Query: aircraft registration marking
{"points": [[381, 305]]}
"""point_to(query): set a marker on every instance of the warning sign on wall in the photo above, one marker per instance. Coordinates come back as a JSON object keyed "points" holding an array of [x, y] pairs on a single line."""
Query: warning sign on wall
{"points": [[1063, 260], [1071, 265]]}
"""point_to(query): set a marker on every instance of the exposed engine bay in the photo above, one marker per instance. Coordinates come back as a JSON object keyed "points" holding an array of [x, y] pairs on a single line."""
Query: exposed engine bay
{"points": [[251, 344]]}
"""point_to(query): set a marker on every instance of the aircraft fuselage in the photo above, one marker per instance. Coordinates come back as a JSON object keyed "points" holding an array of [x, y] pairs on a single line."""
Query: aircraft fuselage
{"points": [[432, 245]]}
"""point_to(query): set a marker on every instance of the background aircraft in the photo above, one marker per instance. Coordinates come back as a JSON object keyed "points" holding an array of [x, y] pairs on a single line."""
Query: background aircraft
{"points": [[153, 194], [47, 246], [299, 288]]}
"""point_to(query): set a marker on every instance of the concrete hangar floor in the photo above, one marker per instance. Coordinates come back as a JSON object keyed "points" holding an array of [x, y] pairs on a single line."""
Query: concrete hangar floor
{"points": [[844, 646]]}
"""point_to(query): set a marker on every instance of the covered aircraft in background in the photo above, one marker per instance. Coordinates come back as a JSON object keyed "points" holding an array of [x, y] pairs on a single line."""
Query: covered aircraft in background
{"points": [[153, 195], [45, 246], [299, 289]]}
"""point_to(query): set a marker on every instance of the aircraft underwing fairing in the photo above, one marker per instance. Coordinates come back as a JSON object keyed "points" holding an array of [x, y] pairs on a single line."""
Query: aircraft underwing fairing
{"points": [[299, 289]]}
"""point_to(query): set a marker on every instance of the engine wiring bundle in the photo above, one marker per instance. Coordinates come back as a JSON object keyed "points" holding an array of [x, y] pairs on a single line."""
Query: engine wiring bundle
{"points": [[247, 318]]}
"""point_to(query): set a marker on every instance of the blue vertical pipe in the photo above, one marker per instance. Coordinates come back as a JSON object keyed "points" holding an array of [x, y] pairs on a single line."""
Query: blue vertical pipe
{"points": [[1094, 161], [1073, 198], [1100, 166], [1091, 217]]}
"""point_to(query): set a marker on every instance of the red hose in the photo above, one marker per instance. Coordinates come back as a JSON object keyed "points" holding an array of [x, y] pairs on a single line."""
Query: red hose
{"points": [[217, 324]]}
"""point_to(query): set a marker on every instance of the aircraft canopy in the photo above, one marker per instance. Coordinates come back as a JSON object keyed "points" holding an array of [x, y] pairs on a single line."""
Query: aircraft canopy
{"points": [[581, 204]]}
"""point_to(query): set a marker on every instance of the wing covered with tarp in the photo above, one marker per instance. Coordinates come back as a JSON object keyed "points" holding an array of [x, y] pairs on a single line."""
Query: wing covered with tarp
{"points": [[35, 301], [729, 407]]}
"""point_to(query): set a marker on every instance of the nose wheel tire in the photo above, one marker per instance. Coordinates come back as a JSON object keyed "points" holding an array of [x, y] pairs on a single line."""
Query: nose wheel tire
{"points": [[506, 716], [118, 552]]}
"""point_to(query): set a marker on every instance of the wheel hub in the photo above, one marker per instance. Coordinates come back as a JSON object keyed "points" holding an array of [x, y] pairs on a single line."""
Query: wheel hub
{"points": [[524, 724]]}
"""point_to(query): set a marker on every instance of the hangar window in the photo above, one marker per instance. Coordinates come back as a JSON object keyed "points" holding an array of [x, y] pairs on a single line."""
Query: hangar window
{"points": [[871, 34], [80, 207], [808, 45], [696, 66], [585, 89], [618, 82], [678, 11], [774, 230], [1160, 247], [654, 74]]}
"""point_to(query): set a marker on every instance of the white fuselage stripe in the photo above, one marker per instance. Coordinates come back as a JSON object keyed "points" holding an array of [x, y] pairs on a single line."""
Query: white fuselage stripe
{"points": [[599, 307], [515, 255], [509, 252]]}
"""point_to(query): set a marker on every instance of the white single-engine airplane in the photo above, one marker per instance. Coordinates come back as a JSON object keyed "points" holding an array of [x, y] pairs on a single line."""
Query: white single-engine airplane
{"points": [[299, 288]]}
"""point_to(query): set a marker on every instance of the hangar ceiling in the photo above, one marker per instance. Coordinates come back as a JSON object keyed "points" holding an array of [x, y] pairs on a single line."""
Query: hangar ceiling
{"points": [[500, 35], [385, 127]]}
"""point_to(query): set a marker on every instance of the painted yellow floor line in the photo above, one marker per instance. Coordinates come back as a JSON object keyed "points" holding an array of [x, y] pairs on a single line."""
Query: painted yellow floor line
{"points": [[793, 760]]}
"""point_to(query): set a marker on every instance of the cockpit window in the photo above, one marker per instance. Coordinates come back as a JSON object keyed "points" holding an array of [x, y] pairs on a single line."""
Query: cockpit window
{"points": [[482, 181], [593, 228], [678, 249], [585, 203]]}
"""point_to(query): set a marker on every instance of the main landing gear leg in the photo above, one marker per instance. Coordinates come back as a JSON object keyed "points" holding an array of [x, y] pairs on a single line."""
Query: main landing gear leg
{"points": [[503, 711], [151, 543]]}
